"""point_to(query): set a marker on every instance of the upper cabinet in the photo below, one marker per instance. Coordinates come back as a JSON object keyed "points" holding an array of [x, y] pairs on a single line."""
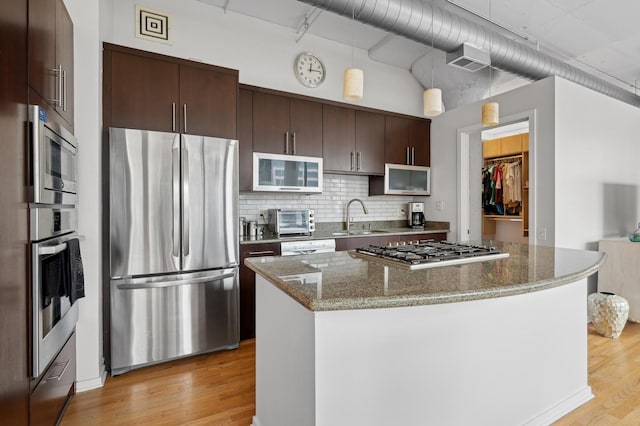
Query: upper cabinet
{"points": [[50, 49], [284, 125], [353, 140], [153, 92], [407, 141], [245, 136]]}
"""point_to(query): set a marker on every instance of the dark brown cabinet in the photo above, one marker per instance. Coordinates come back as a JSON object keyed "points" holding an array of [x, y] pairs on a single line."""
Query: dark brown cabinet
{"points": [[155, 92], [245, 136], [50, 395], [248, 286], [14, 229], [353, 243], [284, 125], [50, 50], [407, 141], [353, 140]]}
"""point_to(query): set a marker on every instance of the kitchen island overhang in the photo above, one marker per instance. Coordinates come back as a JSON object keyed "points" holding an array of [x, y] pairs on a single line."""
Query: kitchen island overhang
{"points": [[499, 342]]}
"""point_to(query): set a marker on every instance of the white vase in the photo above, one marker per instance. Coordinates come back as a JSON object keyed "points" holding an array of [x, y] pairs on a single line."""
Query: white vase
{"points": [[609, 313]]}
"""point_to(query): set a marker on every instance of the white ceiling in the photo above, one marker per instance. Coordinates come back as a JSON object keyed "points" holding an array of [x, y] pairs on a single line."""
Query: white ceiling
{"points": [[599, 36]]}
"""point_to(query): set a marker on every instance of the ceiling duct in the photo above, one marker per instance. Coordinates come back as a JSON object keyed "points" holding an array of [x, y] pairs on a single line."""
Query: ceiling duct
{"points": [[412, 19], [469, 58]]}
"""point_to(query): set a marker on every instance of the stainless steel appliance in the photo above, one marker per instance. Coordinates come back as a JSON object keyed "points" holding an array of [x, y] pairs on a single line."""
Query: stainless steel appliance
{"points": [[53, 178], [286, 173], [400, 179], [173, 246], [292, 221], [54, 315], [429, 254], [416, 215], [292, 248]]}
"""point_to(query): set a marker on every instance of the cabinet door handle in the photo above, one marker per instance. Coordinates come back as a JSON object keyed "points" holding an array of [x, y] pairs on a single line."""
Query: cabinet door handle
{"points": [[260, 253], [185, 118], [413, 156], [57, 96], [173, 117], [407, 155], [60, 374], [358, 160], [286, 142], [64, 90], [293, 136], [352, 167]]}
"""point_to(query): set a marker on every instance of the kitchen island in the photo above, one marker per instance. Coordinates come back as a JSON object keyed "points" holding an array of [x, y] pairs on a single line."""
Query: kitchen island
{"points": [[344, 340]]}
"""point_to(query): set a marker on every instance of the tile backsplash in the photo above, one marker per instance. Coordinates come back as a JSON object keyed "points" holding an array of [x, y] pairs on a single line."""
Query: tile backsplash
{"points": [[330, 205]]}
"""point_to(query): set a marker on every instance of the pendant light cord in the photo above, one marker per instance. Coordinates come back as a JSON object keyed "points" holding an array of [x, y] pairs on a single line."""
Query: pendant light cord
{"points": [[490, 43], [432, 55], [353, 21]]}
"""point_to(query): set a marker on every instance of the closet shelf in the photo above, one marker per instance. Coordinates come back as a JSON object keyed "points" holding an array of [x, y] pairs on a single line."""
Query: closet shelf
{"points": [[512, 218]]}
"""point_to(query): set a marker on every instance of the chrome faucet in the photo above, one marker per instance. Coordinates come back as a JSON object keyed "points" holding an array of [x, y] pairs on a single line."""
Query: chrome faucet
{"points": [[364, 208]]}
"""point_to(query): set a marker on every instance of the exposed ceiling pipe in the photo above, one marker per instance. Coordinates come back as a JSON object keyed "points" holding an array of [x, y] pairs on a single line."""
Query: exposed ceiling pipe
{"points": [[412, 19]]}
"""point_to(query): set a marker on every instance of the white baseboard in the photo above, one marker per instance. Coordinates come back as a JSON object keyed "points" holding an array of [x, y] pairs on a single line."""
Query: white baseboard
{"points": [[94, 383], [255, 421], [562, 408]]}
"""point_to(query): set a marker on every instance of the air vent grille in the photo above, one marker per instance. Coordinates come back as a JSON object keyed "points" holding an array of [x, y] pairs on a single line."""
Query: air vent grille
{"points": [[469, 58]]}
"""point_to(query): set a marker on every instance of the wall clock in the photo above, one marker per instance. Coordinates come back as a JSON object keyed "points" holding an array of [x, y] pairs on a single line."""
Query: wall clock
{"points": [[309, 69]]}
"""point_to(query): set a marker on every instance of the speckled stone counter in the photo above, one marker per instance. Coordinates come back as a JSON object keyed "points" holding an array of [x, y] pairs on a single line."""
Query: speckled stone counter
{"points": [[345, 341], [335, 230], [344, 280]]}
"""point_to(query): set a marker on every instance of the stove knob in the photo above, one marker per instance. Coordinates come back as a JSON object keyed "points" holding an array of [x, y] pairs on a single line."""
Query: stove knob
{"points": [[403, 243], [396, 243]]}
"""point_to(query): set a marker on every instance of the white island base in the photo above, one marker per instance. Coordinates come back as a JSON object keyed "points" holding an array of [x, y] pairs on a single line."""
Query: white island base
{"points": [[505, 361]]}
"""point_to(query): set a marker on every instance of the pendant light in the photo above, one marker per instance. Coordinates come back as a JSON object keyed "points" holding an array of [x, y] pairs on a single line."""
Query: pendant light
{"points": [[432, 98], [490, 110], [353, 79]]}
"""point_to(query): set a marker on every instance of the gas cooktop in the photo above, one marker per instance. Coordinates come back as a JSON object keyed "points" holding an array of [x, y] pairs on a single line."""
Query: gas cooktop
{"points": [[429, 254]]}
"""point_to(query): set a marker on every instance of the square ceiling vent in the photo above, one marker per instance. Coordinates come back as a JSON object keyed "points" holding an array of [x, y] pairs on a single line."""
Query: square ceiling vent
{"points": [[469, 58]]}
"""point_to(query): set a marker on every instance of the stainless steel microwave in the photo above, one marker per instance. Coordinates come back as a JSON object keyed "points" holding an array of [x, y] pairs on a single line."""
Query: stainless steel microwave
{"points": [[400, 179], [286, 173], [54, 166]]}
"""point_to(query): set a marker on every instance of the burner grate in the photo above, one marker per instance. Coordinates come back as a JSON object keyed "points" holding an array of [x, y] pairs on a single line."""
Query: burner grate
{"points": [[424, 254]]}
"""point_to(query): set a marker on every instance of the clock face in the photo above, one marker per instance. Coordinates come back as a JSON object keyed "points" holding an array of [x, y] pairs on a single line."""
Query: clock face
{"points": [[309, 70]]}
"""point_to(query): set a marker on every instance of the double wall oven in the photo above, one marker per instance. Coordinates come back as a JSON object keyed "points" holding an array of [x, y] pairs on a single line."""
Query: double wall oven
{"points": [[55, 265]]}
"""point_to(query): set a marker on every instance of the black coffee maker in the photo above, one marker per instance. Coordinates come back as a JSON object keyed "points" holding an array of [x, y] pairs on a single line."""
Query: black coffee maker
{"points": [[416, 215]]}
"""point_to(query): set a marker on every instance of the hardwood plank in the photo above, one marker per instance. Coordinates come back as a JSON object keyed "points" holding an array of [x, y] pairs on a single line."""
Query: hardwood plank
{"points": [[219, 389]]}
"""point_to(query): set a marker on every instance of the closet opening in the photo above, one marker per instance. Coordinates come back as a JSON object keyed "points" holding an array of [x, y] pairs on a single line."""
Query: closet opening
{"points": [[505, 183]]}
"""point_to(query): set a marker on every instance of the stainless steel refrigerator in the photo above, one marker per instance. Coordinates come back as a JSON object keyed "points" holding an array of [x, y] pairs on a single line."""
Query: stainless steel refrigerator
{"points": [[173, 246]]}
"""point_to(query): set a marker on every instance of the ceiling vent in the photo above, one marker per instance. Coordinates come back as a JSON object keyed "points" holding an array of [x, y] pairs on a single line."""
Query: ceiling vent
{"points": [[469, 58]]}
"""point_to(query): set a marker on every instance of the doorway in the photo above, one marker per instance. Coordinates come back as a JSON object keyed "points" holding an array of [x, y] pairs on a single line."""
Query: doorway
{"points": [[474, 152]]}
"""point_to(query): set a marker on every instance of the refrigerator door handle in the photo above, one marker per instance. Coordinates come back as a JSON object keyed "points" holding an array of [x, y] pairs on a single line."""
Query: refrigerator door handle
{"points": [[132, 285], [176, 199], [185, 201]]}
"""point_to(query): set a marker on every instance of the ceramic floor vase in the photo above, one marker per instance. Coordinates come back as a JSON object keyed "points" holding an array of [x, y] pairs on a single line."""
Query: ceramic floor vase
{"points": [[609, 313]]}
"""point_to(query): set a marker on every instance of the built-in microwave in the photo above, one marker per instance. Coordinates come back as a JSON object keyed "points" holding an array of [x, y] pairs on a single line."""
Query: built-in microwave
{"points": [[400, 179], [54, 168], [286, 173]]}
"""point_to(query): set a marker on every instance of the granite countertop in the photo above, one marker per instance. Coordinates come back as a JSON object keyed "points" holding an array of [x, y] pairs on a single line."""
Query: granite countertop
{"points": [[344, 281], [335, 230]]}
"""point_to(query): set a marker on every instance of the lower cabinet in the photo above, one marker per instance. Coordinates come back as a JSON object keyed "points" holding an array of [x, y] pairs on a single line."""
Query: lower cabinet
{"points": [[353, 243], [51, 395], [248, 286]]}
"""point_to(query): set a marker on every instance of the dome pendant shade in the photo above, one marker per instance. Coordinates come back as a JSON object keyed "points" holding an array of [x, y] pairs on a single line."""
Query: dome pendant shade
{"points": [[432, 102], [490, 114], [353, 86]]}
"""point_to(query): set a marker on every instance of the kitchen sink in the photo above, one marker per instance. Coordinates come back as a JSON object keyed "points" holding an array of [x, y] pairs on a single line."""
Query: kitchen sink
{"points": [[359, 232]]}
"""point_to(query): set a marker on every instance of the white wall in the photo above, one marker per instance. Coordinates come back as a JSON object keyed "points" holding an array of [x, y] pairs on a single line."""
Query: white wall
{"points": [[262, 52], [88, 101], [537, 97], [597, 153]]}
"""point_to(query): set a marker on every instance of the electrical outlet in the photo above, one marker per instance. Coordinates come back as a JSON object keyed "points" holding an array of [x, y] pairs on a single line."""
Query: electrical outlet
{"points": [[542, 234], [440, 205]]}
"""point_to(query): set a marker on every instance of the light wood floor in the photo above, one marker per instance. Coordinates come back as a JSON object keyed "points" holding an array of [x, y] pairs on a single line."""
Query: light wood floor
{"points": [[219, 389]]}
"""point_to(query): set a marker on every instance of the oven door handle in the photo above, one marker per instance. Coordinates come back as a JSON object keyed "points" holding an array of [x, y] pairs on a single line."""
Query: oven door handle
{"points": [[52, 249]]}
